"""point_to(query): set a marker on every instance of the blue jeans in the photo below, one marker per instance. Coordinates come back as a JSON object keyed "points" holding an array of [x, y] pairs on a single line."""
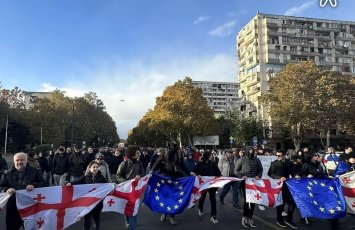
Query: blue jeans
{"points": [[235, 187], [132, 221]]}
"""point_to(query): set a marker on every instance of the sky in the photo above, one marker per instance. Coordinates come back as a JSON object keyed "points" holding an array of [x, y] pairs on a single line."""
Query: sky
{"points": [[129, 51]]}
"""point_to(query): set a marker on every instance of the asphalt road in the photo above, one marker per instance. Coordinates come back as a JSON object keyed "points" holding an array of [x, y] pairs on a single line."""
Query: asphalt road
{"points": [[228, 216]]}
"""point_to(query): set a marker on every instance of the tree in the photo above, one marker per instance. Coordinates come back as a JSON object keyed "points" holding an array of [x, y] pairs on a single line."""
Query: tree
{"points": [[290, 100], [180, 113], [245, 128], [333, 102], [302, 96]]}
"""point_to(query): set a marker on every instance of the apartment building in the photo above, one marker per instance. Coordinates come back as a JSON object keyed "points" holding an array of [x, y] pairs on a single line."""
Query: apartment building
{"points": [[222, 97], [268, 42], [31, 97]]}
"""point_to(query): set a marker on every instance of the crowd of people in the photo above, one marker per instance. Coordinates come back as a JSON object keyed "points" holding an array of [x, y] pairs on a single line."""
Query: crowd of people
{"points": [[70, 166]]}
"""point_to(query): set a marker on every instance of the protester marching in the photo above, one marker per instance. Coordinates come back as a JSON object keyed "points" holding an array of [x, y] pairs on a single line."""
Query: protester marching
{"points": [[76, 184]]}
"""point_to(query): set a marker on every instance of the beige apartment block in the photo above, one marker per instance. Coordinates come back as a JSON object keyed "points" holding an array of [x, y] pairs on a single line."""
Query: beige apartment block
{"points": [[221, 97], [268, 42]]}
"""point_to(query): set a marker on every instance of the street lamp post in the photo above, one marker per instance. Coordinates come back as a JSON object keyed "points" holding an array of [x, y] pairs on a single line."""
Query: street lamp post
{"points": [[7, 125]]}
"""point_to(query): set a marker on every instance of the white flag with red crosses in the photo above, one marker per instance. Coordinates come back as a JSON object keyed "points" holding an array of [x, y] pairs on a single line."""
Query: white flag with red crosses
{"points": [[125, 198], [348, 186], [59, 206], [205, 182], [266, 192], [3, 199]]}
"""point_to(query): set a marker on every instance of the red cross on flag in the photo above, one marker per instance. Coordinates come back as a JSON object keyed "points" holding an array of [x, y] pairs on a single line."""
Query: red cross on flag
{"points": [[205, 182], [3, 199], [266, 192], [125, 198], [59, 206], [348, 185]]}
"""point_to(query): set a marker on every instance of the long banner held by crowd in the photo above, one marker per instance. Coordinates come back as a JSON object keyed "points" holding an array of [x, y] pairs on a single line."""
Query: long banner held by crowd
{"points": [[125, 198], [348, 186], [59, 206]]}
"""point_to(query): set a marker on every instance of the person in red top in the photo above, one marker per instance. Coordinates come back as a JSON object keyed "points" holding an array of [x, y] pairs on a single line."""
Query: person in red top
{"points": [[197, 155]]}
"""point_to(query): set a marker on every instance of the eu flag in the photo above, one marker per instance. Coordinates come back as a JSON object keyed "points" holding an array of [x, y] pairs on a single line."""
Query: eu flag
{"points": [[319, 198], [168, 195]]}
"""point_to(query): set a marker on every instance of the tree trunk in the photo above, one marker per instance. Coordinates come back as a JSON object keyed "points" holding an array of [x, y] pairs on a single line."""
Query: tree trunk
{"points": [[328, 138], [297, 139], [179, 139]]}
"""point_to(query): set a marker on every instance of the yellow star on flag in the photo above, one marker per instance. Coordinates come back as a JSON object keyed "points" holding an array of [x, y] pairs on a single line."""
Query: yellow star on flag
{"points": [[331, 211], [157, 197], [161, 204], [321, 209]]}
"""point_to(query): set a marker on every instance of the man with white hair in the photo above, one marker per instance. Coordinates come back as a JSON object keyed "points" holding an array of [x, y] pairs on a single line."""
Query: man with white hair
{"points": [[21, 176]]}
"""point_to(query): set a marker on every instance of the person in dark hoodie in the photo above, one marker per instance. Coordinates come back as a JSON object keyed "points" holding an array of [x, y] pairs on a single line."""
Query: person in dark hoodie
{"points": [[77, 163], [130, 169], [189, 162], [60, 167], [248, 166], [207, 167], [93, 176], [170, 164]]}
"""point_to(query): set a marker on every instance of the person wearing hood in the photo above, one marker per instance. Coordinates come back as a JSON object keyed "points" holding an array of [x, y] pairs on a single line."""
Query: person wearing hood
{"points": [[93, 176], [207, 167], [130, 169], [190, 163], [227, 164], [248, 166]]}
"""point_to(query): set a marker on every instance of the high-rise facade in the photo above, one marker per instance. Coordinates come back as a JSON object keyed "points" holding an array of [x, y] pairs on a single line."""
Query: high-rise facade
{"points": [[268, 42], [222, 97]]}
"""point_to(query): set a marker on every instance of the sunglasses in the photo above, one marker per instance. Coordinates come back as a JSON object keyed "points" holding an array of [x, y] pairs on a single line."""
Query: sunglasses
{"points": [[99, 158], [278, 155]]}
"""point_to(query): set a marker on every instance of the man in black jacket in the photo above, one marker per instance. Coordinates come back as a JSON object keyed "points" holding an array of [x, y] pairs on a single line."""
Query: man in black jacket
{"points": [[21, 176], [60, 167], [281, 169]]}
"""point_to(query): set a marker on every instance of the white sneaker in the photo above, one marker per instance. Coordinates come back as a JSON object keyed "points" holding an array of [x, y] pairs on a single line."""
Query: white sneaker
{"points": [[200, 213], [284, 214], [214, 220], [245, 222]]}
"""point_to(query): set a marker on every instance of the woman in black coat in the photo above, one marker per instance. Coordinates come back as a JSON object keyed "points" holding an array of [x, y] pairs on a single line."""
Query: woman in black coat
{"points": [[92, 177], [208, 167]]}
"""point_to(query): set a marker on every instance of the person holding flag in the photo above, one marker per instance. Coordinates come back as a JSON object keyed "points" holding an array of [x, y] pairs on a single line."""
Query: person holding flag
{"points": [[248, 166], [21, 176], [207, 167], [282, 169], [130, 169], [93, 176]]}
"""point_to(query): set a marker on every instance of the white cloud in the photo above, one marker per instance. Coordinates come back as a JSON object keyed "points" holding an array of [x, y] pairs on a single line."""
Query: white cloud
{"points": [[223, 30], [298, 10], [138, 84], [201, 19]]}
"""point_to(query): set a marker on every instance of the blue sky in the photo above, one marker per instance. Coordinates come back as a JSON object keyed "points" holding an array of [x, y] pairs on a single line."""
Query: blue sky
{"points": [[130, 49]]}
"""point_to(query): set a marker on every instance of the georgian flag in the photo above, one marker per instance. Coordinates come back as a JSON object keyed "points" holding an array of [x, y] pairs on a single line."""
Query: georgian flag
{"points": [[59, 206], [125, 198], [205, 182], [266, 192], [348, 185], [3, 199]]}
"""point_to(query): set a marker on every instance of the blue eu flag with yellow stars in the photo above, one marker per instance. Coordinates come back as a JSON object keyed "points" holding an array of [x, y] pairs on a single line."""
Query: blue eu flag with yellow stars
{"points": [[168, 195], [319, 198]]}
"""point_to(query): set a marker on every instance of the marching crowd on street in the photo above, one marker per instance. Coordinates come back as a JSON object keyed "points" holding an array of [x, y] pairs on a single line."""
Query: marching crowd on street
{"points": [[70, 166]]}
